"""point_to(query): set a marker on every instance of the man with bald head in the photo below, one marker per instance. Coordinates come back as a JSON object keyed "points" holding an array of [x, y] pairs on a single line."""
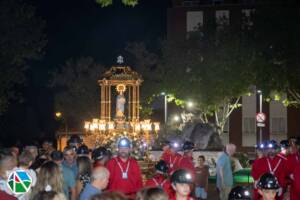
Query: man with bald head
{"points": [[99, 181], [224, 172]]}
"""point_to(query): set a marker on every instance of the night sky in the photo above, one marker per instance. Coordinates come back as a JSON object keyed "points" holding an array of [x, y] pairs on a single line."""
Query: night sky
{"points": [[76, 28]]}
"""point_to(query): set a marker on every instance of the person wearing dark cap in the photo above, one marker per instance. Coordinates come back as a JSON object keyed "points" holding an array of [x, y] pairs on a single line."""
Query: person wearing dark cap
{"points": [[100, 156], [181, 181], [160, 178], [268, 186], [82, 150], [271, 163], [125, 172], [173, 157], [239, 193], [68, 176], [74, 141], [186, 161]]}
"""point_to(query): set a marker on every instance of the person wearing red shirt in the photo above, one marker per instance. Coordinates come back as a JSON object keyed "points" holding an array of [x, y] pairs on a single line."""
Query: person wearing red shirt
{"points": [[181, 181], [285, 154], [293, 144], [186, 161], [4, 195], [125, 173], [271, 163], [166, 149], [173, 157], [160, 178], [294, 170], [259, 148], [100, 156], [294, 156], [284, 150], [268, 186]]}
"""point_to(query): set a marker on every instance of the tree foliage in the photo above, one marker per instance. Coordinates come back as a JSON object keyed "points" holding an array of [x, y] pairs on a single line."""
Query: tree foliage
{"points": [[77, 92], [22, 39], [212, 68], [145, 63], [105, 3], [275, 44]]}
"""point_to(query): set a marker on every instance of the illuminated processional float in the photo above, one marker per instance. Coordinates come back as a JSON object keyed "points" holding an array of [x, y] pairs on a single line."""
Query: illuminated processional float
{"points": [[120, 112]]}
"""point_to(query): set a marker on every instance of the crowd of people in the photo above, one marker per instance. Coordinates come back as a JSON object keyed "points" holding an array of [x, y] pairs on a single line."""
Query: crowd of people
{"points": [[275, 171], [77, 173], [279, 162]]}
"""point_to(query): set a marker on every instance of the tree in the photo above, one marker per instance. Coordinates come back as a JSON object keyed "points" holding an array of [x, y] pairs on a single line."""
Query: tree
{"points": [[275, 44], [212, 68], [22, 39], [77, 92], [145, 62]]}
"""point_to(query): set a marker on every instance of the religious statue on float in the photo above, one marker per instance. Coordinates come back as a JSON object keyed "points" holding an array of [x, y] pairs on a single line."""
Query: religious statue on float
{"points": [[120, 102]]}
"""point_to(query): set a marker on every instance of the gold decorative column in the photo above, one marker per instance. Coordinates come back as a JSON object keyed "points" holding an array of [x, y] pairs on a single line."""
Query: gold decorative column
{"points": [[129, 102], [134, 103], [102, 106], [109, 102], [138, 102]]}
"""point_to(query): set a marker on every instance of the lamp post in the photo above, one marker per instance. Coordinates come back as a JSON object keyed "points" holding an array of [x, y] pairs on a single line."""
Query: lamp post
{"points": [[165, 106], [259, 92]]}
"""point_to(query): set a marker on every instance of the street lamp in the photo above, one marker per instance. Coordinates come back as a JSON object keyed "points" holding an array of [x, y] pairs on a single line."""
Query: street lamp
{"points": [[165, 106], [176, 118], [259, 92], [190, 104], [59, 117], [58, 114]]}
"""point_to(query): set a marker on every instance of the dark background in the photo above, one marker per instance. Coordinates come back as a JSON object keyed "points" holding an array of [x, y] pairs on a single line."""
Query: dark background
{"points": [[76, 28]]}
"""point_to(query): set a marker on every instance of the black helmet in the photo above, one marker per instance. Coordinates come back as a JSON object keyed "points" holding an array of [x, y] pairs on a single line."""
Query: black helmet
{"points": [[124, 142], [284, 144], [175, 145], [187, 145], [181, 176], [166, 142], [162, 166], [239, 193], [75, 139], [272, 144], [260, 146], [83, 150], [57, 155], [268, 181], [99, 153]]}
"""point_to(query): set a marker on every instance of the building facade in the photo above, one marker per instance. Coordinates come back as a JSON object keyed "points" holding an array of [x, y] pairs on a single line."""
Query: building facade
{"points": [[184, 16]]}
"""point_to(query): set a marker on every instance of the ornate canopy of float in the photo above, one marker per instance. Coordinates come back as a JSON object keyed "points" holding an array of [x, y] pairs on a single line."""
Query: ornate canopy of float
{"points": [[120, 109]]}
